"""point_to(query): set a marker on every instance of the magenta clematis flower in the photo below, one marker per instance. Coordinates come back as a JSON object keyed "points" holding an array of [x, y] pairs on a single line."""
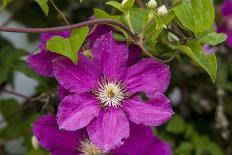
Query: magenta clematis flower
{"points": [[104, 93], [61, 142], [42, 62], [226, 26]]}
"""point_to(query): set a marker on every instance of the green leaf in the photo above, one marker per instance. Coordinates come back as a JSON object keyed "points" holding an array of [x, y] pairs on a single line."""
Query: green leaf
{"points": [[196, 15], [8, 107], [44, 5], [184, 148], [6, 2], [101, 14], [116, 5], [68, 47], [176, 124], [10, 55], [127, 4], [214, 38], [138, 18], [207, 62]]}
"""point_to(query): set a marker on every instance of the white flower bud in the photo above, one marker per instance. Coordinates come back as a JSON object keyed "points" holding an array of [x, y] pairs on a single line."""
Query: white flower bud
{"points": [[152, 4], [162, 10], [34, 142]]}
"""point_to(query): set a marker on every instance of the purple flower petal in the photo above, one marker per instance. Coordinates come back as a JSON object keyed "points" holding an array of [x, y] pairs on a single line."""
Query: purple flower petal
{"points": [[109, 129], [76, 111], [76, 78], [157, 147], [110, 56], [226, 8], [155, 112], [142, 141], [134, 55], [51, 138], [147, 76], [65, 151], [42, 63], [44, 37], [62, 92], [98, 32]]}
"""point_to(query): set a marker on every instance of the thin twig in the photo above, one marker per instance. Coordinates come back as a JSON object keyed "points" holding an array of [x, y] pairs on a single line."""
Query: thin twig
{"points": [[60, 12], [73, 26], [150, 55], [15, 94]]}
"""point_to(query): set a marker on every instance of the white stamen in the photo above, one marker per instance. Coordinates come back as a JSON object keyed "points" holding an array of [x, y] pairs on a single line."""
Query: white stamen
{"points": [[110, 93], [88, 148]]}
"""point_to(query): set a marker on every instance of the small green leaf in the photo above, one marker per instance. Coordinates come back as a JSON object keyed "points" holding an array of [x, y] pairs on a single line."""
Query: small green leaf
{"points": [[116, 5], [68, 47], [139, 18], [196, 15], [176, 124], [127, 4], [101, 14], [44, 5], [214, 38], [207, 62]]}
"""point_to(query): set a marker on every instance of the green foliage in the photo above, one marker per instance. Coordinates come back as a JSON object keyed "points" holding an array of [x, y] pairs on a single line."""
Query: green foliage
{"points": [[207, 62], [214, 38], [116, 5], [127, 4], [10, 55], [100, 14], [68, 47], [139, 18], [6, 2], [196, 15], [176, 124], [44, 6]]}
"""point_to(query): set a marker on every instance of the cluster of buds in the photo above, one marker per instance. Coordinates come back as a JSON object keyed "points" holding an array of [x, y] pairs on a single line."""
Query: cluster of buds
{"points": [[161, 11]]}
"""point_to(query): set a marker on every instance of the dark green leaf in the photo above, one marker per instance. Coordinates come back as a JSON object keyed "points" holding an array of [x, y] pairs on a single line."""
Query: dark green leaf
{"points": [[196, 15], [116, 5], [44, 6], [176, 124], [207, 62]]}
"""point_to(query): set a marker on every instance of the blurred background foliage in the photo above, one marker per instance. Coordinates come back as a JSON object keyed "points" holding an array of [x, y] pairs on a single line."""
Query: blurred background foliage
{"points": [[203, 110]]}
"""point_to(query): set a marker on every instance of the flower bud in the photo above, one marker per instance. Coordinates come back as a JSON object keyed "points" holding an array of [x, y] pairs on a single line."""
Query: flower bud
{"points": [[152, 4], [34, 142], [127, 4], [162, 10]]}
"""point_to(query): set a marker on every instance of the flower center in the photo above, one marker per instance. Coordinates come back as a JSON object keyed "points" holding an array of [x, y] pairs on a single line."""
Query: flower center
{"points": [[88, 148], [110, 93]]}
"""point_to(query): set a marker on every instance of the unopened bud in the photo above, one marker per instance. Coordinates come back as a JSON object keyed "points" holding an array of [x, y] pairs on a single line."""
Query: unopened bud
{"points": [[127, 4], [162, 10], [152, 4], [34, 142]]}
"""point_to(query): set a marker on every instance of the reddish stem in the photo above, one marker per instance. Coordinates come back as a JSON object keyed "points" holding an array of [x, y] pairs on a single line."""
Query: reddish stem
{"points": [[70, 27]]}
